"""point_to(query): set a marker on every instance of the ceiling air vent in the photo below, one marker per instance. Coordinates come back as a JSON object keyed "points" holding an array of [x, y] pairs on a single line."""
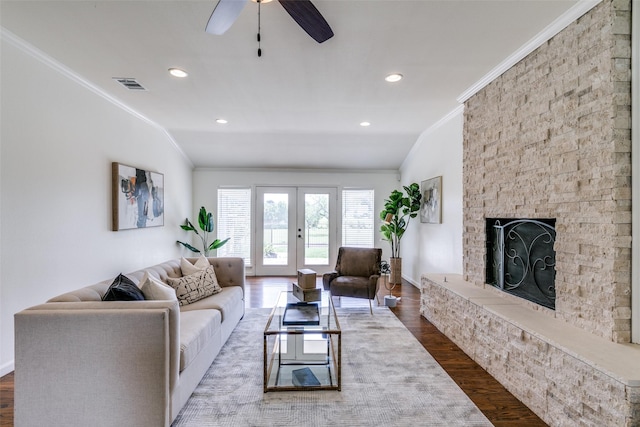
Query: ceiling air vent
{"points": [[129, 83]]}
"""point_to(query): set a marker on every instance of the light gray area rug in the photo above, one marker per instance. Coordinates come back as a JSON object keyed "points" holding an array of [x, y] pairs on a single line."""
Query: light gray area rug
{"points": [[388, 379]]}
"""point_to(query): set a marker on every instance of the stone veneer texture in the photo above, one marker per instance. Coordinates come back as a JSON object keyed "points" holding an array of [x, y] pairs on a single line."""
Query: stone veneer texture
{"points": [[551, 138], [559, 387]]}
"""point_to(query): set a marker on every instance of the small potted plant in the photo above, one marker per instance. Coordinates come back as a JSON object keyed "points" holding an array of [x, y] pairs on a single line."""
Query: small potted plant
{"points": [[398, 210], [205, 222]]}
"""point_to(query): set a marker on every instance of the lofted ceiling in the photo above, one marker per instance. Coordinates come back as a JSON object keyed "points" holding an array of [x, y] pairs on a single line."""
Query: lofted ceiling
{"points": [[300, 105]]}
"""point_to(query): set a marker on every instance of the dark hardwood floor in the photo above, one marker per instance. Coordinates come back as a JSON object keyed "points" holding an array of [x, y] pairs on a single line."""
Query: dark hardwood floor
{"points": [[495, 402]]}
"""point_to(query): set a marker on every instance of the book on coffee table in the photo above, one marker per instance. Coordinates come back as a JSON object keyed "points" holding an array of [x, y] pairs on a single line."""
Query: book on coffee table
{"points": [[301, 314], [304, 377]]}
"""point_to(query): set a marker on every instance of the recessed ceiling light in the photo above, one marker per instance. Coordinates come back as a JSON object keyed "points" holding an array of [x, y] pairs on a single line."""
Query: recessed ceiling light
{"points": [[177, 72], [221, 121], [365, 124], [392, 78]]}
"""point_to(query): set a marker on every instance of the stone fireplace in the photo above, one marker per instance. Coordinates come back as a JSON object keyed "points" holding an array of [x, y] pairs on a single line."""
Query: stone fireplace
{"points": [[550, 140]]}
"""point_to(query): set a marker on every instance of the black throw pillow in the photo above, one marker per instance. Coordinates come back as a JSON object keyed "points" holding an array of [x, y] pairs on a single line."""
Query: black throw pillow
{"points": [[123, 289]]}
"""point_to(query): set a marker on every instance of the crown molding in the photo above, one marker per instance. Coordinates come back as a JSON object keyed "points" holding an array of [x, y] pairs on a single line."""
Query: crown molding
{"points": [[45, 59], [294, 170], [579, 9]]}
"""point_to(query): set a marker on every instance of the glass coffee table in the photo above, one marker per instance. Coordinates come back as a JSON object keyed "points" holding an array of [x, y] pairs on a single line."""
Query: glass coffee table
{"points": [[302, 345]]}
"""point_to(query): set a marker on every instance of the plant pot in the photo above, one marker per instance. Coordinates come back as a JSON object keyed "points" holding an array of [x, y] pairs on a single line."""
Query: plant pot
{"points": [[395, 277], [390, 301]]}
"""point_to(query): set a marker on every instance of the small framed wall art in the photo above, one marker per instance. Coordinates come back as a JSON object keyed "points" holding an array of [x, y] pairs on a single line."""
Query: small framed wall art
{"points": [[137, 197], [431, 209]]}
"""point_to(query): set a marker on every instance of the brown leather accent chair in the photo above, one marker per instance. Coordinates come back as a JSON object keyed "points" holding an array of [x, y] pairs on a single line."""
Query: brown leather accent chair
{"points": [[356, 274]]}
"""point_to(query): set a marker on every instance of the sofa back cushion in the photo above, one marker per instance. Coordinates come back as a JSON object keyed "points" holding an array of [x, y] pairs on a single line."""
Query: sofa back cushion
{"points": [[95, 292]]}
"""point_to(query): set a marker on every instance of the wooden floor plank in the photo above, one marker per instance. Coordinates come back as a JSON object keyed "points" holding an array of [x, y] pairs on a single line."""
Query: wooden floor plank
{"points": [[495, 402]]}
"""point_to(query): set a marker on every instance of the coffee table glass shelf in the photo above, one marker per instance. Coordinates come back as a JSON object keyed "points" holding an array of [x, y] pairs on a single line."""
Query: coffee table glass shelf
{"points": [[302, 345]]}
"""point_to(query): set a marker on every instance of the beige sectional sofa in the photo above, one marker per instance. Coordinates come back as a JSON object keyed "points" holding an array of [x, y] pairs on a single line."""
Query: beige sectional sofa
{"points": [[81, 361]]}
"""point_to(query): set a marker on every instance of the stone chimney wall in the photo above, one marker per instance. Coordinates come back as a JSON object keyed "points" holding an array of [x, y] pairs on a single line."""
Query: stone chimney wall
{"points": [[551, 138]]}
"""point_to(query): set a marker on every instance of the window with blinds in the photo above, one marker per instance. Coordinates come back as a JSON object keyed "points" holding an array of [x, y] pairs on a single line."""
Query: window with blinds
{"points": [[234, 221], [358, 218]]}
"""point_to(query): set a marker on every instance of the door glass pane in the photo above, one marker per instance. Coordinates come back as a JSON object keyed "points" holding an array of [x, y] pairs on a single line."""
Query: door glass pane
{"points": [[316, 220], [276, 226]]}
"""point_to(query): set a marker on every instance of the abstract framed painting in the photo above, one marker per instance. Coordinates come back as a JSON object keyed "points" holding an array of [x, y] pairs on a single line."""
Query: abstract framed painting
{"points": [[431, 209], [137, 197]]}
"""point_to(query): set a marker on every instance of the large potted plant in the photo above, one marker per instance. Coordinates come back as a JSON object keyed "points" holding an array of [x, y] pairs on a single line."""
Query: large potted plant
{"points": [[399, 209], [205, 222]]}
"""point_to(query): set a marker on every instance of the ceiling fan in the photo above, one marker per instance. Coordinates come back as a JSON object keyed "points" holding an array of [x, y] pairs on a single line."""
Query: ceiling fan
{"points": [[302, 11]]}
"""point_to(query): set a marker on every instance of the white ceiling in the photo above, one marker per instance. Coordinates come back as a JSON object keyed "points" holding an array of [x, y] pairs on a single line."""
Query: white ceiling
{"points": [[300, 104]]}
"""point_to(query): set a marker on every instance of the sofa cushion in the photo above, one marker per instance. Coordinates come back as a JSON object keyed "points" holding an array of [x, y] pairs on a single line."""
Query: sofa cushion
{"points": [[188, 268], [123, 289], [154, 289], [197, 329], [226, 301], [196, 286]]}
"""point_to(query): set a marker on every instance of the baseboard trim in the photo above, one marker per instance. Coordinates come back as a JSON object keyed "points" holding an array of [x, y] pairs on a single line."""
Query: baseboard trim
{"points": [[413, 282], [7, 368]]}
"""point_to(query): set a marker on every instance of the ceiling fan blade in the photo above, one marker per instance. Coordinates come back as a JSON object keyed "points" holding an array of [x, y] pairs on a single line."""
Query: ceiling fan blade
{"points": [[224, 15], [308, 17]]}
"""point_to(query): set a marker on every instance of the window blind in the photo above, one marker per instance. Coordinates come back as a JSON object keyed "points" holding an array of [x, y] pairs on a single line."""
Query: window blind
{"points": [[358, 218], [234, 221]]}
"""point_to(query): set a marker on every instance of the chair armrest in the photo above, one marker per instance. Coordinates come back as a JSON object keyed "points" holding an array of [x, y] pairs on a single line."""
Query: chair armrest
{"points": [[327, 278]]}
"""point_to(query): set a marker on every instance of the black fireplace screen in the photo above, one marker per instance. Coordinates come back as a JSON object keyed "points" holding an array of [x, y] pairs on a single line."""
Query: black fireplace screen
{"points": [[521, 258]]}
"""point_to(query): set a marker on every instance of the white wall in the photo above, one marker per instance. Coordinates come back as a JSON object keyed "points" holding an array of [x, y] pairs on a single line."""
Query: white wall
{"points": [[436, 248], [207, 181], [58, 140]]}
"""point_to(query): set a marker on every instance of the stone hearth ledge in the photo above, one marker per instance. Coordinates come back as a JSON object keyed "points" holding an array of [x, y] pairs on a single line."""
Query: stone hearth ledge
{"points": [[619, 361]]}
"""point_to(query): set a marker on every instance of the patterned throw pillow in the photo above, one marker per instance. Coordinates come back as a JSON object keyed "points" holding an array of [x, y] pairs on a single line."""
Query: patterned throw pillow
{"points": [[154, 289], [196, 286]]}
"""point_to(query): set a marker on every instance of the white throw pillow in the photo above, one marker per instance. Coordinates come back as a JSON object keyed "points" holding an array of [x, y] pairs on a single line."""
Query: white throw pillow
{"points": [[196, 286], [187, 268], [154, 289]]}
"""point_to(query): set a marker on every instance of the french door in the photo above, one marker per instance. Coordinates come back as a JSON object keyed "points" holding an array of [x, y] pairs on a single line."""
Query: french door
{"points": [[296, 227]]}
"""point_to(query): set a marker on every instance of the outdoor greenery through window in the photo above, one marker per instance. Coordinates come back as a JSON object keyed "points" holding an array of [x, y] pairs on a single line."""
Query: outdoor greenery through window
{"points": [[358, 219], [316, 208], [276, 229], [234, 221]]}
